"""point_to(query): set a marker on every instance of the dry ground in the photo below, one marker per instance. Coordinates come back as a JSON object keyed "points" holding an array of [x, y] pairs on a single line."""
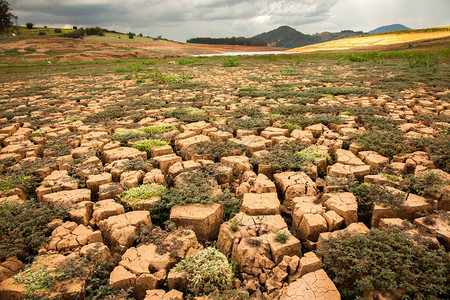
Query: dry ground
{"points": [[284, 135]]}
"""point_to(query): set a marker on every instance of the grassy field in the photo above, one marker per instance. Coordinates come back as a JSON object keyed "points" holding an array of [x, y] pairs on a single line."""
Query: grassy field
{"points": [[375, 40]]}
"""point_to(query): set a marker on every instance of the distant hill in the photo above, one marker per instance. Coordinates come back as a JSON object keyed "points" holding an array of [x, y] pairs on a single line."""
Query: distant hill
{"points": [[289, 37], [389, 28]]}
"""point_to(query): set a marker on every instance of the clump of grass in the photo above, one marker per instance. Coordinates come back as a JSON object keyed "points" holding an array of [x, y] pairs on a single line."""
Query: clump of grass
{"points": [[148, 145], [125, 135], [230, 62], [310, 155], [216, 149], [281, 236], [206, 271], [145, 191]]}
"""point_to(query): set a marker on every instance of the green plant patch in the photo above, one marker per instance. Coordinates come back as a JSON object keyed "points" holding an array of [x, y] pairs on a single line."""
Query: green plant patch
{"points": [[283, 157], [386, 143], [385, 260], [144, 191], [206, 271], [24, 227], [216, 149], [148, 145]]}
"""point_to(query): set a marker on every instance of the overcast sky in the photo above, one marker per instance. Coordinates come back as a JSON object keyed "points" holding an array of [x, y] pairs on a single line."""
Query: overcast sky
{"points": [[183, 19]]}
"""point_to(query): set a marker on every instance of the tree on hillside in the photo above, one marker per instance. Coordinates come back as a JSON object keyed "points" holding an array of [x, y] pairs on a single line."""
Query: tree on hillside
{"points": [[29, 25], [7, 19]]}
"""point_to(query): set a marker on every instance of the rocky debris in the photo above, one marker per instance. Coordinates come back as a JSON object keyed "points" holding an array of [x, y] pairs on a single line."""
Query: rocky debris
{"points": [[165, 161], [55, 182], [260, 204], [344, 204], [121, 230], [70, 237], [122, 153], [131, 179], [81, 213], [294, 184], [240, 164], [72, 288], [290, 247], [10, 267], [252, 143], [93, 182], [346, 171], [314, 285], [271, 132], [145, 267], [437, 225], [244, 226], [205, 219], [68, 198], [163, 295], [109, 190], [373, 159], [104, 209], [154, 176]]}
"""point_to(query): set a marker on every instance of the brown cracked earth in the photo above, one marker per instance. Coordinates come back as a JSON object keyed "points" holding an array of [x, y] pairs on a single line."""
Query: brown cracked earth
{"points": [[235, 157]]}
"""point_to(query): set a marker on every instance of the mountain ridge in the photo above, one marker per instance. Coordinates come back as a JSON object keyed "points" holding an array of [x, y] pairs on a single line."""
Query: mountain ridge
{"points": [[288, 37]]}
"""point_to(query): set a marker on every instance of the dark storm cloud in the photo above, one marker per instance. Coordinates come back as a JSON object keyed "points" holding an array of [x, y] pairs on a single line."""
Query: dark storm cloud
{"points": [[182, 19]]}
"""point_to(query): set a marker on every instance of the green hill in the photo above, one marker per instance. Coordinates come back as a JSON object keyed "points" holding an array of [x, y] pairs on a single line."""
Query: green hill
{"points": [[289, 37]]}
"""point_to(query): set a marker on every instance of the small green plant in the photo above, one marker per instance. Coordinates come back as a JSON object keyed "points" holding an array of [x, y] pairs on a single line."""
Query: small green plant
{"points": [[386, 143], [157, 129], [283, 157], [148, 145], [311, 154], [145, 191], [206, 271], [73, 118], [355, 58], [187, 61], [230, 62], [125, 135], [281, 236], [235, 222], [57, 30]]}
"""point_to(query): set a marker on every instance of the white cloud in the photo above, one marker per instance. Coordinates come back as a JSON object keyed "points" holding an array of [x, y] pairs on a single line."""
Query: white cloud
{"points": [[182, 19]]}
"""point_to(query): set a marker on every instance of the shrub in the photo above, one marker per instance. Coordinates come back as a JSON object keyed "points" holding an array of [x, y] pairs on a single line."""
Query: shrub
{"points": [[198, 186], [24, 227], [145, 191], [206, 271], [125, 135], [230, 62], [57, 30], [385, 260], [386, 143], [367, 195], [355, 58], [283, 157], [249, 123], [148, 145], [424, 183], [216, 149], [29, 25], [91, 268], [311, 154], [76, 34], [250, 111], [25, 181], [281, 236], [42, 33]]}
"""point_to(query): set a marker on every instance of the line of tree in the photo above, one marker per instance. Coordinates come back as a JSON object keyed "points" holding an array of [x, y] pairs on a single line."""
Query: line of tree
{"points": [[242, 41]]}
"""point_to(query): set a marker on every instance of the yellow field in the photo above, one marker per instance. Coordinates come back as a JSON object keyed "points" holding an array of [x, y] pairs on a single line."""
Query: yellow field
{"points": [[372, 41]]}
